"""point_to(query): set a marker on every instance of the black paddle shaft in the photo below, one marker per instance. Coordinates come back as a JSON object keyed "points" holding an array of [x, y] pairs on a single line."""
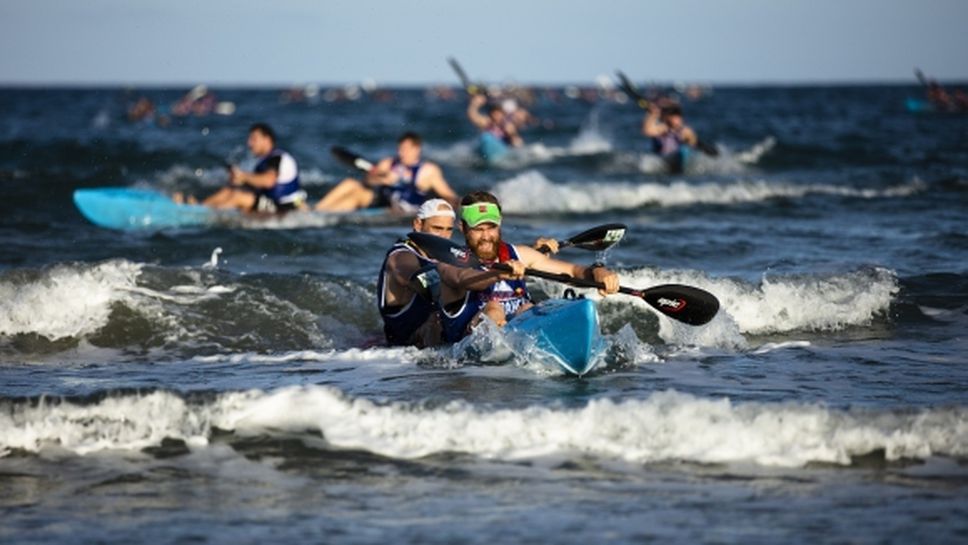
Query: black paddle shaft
{"points": [[686, 304], [349, 158], [631, 91], [471, 88]]}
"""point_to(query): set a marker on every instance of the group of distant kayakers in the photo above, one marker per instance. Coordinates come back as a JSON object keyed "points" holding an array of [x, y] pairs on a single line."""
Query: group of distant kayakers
{"points": [[405, 181], [401, 183], [941, 99]]}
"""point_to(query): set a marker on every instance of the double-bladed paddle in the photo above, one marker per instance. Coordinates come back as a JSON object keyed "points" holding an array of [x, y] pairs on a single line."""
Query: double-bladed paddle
{"points": [[349, 158], [630, 90], [686, 304], [921, 79], [595, 239], [633, 93], [470, 87]]}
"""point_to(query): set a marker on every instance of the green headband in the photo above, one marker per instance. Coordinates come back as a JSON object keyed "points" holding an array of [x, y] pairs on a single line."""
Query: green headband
{"points": [[480, 212]]}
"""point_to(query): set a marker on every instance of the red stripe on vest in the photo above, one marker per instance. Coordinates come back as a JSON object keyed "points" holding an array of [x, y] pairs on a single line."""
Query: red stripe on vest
{"points": [[503, 253]]}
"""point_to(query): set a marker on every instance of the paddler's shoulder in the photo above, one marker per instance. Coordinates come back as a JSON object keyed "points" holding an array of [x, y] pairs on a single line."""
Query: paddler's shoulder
{"points": [[526, 253]]}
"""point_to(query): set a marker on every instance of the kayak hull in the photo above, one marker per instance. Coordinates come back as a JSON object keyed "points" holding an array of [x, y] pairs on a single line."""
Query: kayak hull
{"points": [[138, 209], [916, 105], [127, 209], [566, 329], [923, 106], [678, 161], [491, 148]]}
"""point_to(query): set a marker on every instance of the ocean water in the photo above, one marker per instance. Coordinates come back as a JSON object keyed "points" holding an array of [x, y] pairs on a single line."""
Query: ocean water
{"points": [[215, 385]]}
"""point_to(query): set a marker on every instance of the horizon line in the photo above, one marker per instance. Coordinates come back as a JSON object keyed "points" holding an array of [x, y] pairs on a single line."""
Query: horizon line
{"points": [[279, 84]]}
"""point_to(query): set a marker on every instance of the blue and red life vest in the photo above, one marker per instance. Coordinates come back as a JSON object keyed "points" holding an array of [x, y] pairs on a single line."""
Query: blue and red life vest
{"points": [[512, 294]]}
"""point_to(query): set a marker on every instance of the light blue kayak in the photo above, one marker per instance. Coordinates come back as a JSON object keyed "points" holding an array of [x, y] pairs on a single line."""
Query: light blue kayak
{"points": [[140, 209], [566, 329], [491, 148], [922, 106], [130, 209], [678, 161], [917, 105]]}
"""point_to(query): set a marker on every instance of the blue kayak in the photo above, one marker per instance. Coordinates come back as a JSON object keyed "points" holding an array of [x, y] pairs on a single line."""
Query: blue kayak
{"points": [[128, 209], [678, 161], [134, 209], [491, 148], [917, 105], [566, 329]]}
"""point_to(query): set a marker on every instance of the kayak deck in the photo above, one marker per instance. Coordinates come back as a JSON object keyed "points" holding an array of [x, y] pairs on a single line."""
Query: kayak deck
{"points": [[491, 148], [133, 209], [127, 209], [566, 329]]}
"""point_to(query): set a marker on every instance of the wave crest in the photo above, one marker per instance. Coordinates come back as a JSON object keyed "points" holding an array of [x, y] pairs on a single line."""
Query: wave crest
{"points": [[531, 192], [64, 301], [665, 426]]}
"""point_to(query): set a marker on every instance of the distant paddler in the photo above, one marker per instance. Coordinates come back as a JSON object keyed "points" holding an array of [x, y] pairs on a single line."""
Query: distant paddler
{"points": [[940, 98], [273, 185], [672, 139], [401, 183], [498, 129]]}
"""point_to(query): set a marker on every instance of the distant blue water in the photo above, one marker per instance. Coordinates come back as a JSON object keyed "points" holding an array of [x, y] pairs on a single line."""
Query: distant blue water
{"points": [[146, 396]]}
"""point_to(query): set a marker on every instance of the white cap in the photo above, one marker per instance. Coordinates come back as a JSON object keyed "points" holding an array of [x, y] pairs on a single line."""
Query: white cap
{"points": [[434, 208]]}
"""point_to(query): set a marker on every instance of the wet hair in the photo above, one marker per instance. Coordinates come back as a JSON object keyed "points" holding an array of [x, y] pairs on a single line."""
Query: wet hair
{"points": [[265, 130], [479, 196], [411, 136]]}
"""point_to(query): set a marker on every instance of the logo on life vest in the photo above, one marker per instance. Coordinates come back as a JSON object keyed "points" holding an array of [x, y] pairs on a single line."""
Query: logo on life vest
{"points": [[510, 297], [675, 305], [460, 254]]}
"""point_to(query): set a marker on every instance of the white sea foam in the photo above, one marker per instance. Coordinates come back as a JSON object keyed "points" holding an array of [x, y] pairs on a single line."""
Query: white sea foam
{"points": [[589, 141], [755, 153], [772, 347], [65, 301], [816, 302], [777, 304], [664, 426], [532, 193], [350, 357]]}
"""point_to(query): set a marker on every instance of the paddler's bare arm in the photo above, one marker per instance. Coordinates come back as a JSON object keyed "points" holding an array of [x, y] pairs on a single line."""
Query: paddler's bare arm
{"points": [[689, 136], [651, 126], [537, 260], [431, 178], [549, 243], [455, 282], [479, 120], [401, 267], [512, 131], [265, 179], [381, 173], [465, 279]]}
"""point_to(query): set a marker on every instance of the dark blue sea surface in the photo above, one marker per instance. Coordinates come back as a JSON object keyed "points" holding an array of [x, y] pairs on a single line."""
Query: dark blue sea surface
{"points": [[154, 390]]}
